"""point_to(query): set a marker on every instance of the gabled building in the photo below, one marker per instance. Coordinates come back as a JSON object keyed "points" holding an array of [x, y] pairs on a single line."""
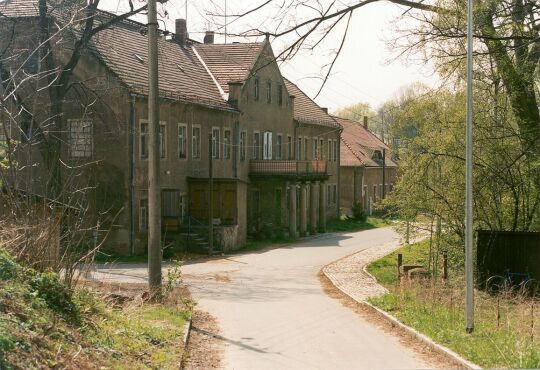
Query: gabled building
{"points": [[368, 171], [274, 152]]}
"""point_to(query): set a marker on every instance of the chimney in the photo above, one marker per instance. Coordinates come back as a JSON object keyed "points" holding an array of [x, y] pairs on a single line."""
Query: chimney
{"points": [[366, 122], [209, 37], [181, 34], [235, 89], [325, 110]]}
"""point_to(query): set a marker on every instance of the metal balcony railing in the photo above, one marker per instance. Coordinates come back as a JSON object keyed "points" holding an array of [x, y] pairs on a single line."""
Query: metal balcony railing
{"points": [[314, 168]]}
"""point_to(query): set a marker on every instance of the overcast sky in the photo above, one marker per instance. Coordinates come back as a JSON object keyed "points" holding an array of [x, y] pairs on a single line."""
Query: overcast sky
{"points": [[364, 71]]}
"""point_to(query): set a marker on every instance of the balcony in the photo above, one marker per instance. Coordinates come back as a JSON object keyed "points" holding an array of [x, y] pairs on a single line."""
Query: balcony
{"points": [[309, 170]]}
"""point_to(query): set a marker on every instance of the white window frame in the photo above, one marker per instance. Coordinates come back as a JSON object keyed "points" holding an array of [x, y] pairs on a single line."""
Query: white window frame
{"points": [[86, 141], [215, 142], [182, 140], [267, 145], [227, 143], [196, 142]]}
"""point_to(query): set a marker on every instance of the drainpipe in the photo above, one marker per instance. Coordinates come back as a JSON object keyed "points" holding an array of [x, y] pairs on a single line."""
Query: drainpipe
{"points": [[339, 172], [132, 130]]}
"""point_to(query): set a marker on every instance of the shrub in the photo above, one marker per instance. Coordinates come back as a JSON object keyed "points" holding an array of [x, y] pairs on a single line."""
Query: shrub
{"points": [[358, 213], [8, 267], [57, 296]]}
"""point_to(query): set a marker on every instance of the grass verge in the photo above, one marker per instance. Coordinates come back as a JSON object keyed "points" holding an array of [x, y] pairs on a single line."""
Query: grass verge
{"points": [[507, 334], [45, 325]]}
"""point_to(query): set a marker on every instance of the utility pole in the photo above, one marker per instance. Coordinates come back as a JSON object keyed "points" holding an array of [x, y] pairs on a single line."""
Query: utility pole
{"points": [[383, 173], [469, 232], [154, 201], [210, 196]]}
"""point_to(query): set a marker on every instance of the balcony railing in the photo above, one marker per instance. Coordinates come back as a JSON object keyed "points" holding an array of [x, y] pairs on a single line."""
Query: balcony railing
{"points": [[288, 168]]}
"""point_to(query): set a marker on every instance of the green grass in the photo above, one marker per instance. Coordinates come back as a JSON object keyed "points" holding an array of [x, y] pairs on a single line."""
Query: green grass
{"points": [[348, 224], [45, 325], [436, 309]]}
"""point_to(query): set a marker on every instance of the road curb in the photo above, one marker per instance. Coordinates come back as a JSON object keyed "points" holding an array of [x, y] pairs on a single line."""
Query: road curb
{"points": [[446, 352], [187, 332]]}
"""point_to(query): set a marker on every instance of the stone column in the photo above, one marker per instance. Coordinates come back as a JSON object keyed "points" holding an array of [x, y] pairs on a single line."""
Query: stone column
{"points": [[322, 207], [292, 210], [314, 207], [303, 209]]}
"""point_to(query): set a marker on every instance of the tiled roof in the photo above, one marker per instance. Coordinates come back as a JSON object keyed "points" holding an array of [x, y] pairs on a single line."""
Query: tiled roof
{"points": [[19, 8], [229, 62], [181, 75], [359, 145], [122, 47], [306, 110]]}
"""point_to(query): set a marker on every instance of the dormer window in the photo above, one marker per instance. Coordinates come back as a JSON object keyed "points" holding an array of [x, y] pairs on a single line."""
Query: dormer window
{"points": [[256, 91], [269, 92], [377, 155]]}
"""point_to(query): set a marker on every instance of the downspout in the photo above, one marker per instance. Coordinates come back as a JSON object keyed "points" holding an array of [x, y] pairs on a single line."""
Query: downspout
{"points": [[132, 130], [339, 173]]}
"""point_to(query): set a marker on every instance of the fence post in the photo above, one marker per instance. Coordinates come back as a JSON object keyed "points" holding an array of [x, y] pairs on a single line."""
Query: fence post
{"points": [[399, 264], [445, 265]]}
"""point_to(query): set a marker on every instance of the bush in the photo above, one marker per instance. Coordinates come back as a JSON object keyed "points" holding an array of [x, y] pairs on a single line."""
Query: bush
{"points": [[8, 267], [358, 213], [57, 296]]}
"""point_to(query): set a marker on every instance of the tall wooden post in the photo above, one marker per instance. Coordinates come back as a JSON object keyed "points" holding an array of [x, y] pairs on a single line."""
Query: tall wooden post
{"points": [[210, 197], [154, 201]]}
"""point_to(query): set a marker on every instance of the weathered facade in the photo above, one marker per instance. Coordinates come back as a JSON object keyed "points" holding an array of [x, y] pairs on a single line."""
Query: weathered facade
{"points": [[274, 152], [368, 171]]}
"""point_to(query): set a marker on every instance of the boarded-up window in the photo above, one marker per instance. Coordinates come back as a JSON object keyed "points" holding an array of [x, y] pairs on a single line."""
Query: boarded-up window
{"points": [[170, 203], [80, 138]]}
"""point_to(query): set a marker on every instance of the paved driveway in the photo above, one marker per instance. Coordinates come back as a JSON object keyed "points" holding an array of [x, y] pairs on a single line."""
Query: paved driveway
{"points": [[274, 314]]}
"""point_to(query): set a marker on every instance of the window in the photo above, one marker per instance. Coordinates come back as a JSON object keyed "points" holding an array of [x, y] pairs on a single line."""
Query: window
{"points": [[243, 136], [182, 141], [256, 87], [256, 145], [267, 145], [329, 151], [334, 194], [315, 148], [215, 142], [299, 149], [321, 148], [170, 203], [279, 146], [335, 151], [289, 147], [162, 141], [196, 142], [143, 215], [280, 95], [227, 144], [329, 194], [143, 140], [305, 148], [269, 92], [80, 138]]}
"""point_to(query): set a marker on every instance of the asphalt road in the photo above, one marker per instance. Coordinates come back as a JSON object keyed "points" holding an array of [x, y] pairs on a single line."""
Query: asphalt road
{"points": [[274, 314]]}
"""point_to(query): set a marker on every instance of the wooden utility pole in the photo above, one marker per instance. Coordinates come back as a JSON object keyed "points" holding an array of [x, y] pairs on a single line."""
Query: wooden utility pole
{"points": [[210, 196], [383, 173], [154, 201]]}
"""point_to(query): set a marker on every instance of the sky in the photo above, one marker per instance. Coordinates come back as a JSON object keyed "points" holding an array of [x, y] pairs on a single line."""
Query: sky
{"points": [[366, 70]]}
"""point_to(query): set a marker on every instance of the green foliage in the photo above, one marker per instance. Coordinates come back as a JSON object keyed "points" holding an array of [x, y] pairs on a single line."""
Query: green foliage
{"points": [[8, 267], [57, 296], [358, 213], [174, 276], [350, 224]]}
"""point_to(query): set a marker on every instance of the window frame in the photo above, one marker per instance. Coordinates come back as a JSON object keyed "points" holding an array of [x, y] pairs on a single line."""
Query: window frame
{"points": [[256, 152], [289, 147], [215, 142], [280, 95], [279, 146], [256, 89], [269, 92], [196, 155], [185, 141], [74, 142], [227, 143], [242, 144]]}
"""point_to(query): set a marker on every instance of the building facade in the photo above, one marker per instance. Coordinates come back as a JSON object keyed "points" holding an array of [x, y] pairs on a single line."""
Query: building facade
{"points": [[273, 151], [368, 171]]}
